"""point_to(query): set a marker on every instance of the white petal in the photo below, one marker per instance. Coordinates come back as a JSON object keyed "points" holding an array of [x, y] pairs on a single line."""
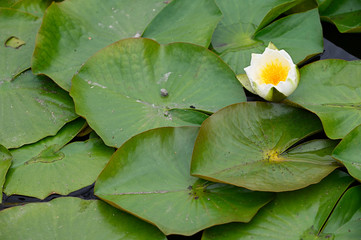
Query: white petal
{"points": [[286, 87], [262, 89], [256, 59], [286, 56], [293, 73]]}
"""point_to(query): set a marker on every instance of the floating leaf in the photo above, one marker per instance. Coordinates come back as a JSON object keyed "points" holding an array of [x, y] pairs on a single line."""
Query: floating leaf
{"points": [[348, 152], [331, 89], [136, 84], [185, 21], [35, 7], [248, 145], [292, 215], [49, 166], [7, 3], [149, 177], [73, 218], [345, 220], [32, 107], [246, 29], [5, 162], [345, 14], [17, 40], [74, 30]]}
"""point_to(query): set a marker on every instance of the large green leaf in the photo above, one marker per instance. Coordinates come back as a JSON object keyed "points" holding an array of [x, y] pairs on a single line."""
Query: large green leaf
{"points": [[5, 162], [348, 152], [185, 21], [35, 7], [48, 167], [248, 145], [73, 218], [149, 177], [291, 216], [74, 30], [345, 14], [345, 220], [6, 3], [244, 31], [136, 84], [331, 89], [17, 40], [32, 107]]}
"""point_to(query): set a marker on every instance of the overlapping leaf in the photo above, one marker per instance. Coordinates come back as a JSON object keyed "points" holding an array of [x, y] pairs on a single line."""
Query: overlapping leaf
{"points": [[17, 40], [297, 215], [35, 7], [332, 89], [136, 84], [348, 152], [5, 162], [248, 145], [345, 220], [246, 29], [48, 166], [185, 21], [32, 107], [149, 177], [74, 30], [345, 14], [73, 218]]}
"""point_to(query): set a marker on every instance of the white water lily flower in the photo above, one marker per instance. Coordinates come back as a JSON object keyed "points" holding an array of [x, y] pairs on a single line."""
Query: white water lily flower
{"points": [[272, 74]]}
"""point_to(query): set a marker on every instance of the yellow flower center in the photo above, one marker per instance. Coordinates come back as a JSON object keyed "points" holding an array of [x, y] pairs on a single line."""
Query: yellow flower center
{"points": [[274, 72]]}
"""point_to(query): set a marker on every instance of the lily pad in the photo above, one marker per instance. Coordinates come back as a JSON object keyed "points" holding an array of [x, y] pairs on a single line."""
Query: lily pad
{"points": [[33, 107], [345, 14], [35, 7], [246, 28], [149, 177], [185, 21], [332, 90], [17, 41], [136, 84], [74, 30], [348, 152], [7, 3], [49, 166], [5, 162], [345, 220], [292, 215], [73, 218], [251, 145]]}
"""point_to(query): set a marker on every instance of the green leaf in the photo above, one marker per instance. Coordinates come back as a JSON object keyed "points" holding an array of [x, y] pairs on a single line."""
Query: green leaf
{"points": [[17, 40], [242, 31], [345, 220], [49, 166], [5, 162], [6, 3], [136, 84], [73, 218], [35, 7], [345, 14], [185, 21], [72, 31], [32, 107], [348, 152], [332, 90], [291, 216], [248, 145], [149, 177]]}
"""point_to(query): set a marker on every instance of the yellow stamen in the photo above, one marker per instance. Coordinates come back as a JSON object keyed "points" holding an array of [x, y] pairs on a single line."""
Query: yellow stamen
{"points": [[273, 156], [274, 72]]}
